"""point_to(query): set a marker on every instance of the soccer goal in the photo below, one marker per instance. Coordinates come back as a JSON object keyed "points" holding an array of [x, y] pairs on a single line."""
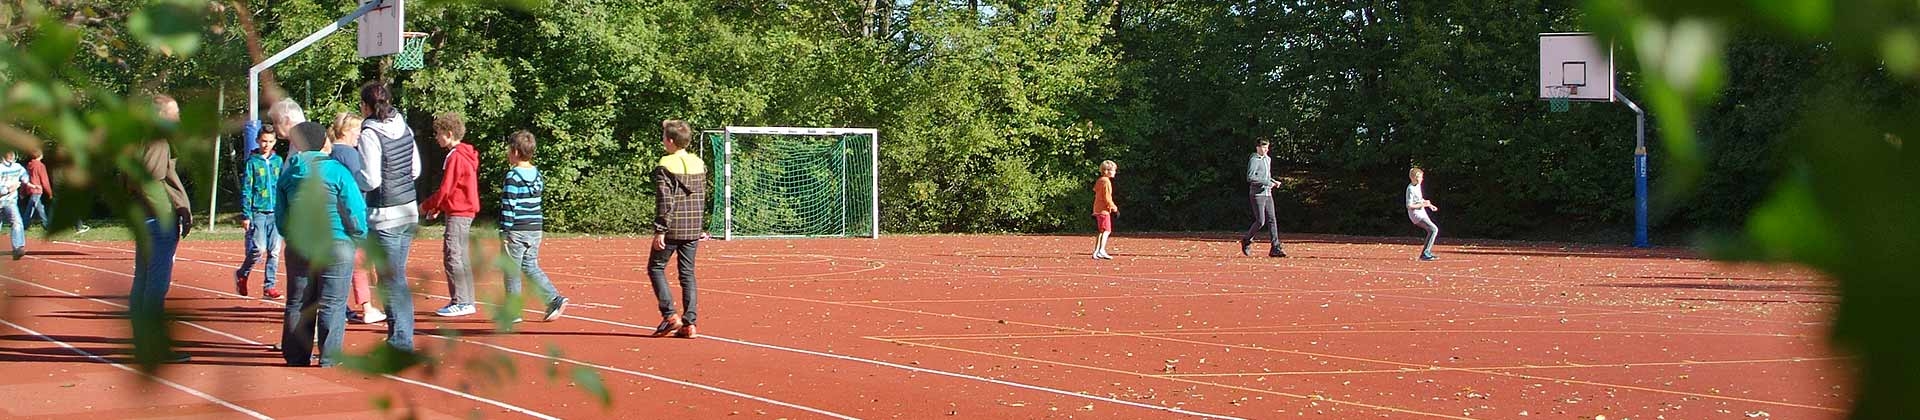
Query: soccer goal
{"points": [[784, 182]]}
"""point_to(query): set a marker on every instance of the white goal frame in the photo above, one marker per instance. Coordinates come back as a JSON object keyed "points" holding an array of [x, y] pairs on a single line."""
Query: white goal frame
{"points": [[726, 168]]}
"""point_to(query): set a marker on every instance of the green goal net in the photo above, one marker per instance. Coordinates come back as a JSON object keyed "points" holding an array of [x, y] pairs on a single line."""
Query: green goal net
{"points": [[794, 182]]}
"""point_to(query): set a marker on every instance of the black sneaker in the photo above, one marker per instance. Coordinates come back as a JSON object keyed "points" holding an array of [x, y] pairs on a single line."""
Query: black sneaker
{"points": [[1277, 254], [1246, 248], [555, 309], [18, 253], [1429, 258]]}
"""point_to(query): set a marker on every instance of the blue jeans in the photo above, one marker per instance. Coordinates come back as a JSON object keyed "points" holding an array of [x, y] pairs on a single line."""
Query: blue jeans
{"points": [[657, 272], [152, 276], [36, 208], [394, 244], [263, 236], [523, 247], [316, 301], [19, 234]]}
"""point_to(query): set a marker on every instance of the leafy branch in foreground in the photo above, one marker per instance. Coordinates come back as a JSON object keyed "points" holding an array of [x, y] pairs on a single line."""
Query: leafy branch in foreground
{"points": [[65, 65], [1848, 205]]}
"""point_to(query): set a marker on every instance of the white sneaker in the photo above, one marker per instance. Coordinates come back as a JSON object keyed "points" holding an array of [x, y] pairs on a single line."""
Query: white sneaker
{"points": [[372, 316], [454, 310]]}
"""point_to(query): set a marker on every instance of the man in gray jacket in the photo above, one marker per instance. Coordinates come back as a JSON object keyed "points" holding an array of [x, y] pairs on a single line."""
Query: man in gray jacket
{"points": [[1260, 183]]}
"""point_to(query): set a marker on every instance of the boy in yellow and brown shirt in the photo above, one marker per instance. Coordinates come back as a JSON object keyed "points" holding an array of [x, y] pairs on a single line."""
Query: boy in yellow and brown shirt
{"points": [[1103, 208], [680, 189]]}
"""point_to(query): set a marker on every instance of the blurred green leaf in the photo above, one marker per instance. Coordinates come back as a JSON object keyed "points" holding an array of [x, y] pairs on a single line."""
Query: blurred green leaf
{"points": [[1685, 53], [313, 238], [1789, 226], [1803, 17], [170, 27], [553, 362], [1900, 48], [53, 46], [589, 382], [383, 402], [384, 359], [494, 368]]}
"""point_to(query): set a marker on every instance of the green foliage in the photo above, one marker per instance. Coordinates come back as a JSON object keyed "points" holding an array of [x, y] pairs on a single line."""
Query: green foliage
{"points": [[99, 131], [1845, 204], [384, 359], [992, 119], [590, 382], [617, 198]]}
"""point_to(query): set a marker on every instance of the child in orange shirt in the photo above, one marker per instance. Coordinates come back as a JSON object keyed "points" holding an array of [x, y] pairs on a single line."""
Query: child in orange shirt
{"points": [[1103, 208]]}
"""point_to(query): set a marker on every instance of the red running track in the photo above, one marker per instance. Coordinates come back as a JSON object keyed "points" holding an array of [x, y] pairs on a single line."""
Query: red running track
{"points": [[989, 327]]}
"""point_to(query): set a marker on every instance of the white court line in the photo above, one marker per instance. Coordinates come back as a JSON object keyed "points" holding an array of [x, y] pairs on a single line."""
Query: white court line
{"points": [[923, 370], [162, 381], [847, 358], [510, 350], [508, 407]]}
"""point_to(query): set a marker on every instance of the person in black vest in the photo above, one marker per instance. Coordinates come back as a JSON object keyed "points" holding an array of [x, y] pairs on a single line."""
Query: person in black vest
{"points": [[391, 163]]}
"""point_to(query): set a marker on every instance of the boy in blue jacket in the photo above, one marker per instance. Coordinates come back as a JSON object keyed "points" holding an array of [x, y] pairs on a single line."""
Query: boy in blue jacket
{"points": [[324, 217], [258, 188]]}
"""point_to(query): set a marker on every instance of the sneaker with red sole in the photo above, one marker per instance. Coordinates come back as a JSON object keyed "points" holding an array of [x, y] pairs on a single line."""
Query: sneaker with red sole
{"points": [[668, 327], [271, 293], [687, 331], [240, 284]]}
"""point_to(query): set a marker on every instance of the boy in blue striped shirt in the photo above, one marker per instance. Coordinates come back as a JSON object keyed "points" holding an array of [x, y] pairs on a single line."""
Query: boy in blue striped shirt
{"points": [[12, 177], [521, 222]]}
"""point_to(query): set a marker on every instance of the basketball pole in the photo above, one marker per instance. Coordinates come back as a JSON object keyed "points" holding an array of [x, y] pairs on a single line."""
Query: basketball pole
{"points": [[1639, 171], [213, 195], [253, 74]]}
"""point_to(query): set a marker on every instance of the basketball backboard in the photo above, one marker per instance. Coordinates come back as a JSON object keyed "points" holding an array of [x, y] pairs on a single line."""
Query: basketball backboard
{"points": [[382, 31], [1576, 65]]}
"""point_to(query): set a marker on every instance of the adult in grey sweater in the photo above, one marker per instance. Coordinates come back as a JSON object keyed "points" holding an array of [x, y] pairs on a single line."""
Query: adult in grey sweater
{"points": [[1260, 184]]}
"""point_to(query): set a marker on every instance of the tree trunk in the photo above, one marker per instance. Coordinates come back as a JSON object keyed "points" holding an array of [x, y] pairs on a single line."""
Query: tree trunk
{"points": [[886, 18], [866, 19]]}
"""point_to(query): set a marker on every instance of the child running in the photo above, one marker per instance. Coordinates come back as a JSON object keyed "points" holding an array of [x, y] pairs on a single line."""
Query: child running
{"points": [[680, 188], [346, 150], [522, 222], [259, 186], [459, 199], [1103, 208], [1417, 207]]}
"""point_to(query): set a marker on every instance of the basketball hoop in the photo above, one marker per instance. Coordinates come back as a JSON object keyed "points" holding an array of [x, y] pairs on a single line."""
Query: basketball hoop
{"points": [[413, 52], [1560, 98]]}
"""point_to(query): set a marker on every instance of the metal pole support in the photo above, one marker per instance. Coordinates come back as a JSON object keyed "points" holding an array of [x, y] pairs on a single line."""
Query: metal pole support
{"points": [[1639, 172], [253, 74], [213, 195]]}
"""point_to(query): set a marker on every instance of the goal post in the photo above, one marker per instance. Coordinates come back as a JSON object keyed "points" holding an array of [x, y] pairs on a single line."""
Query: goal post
{"points": [[788, 182]]}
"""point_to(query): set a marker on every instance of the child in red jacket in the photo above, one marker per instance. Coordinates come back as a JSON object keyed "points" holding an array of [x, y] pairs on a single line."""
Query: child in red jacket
{"points": [[459, 199]]}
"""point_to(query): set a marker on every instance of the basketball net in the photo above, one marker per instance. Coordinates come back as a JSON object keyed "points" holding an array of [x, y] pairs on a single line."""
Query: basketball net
{"points": [[1560, 98]]}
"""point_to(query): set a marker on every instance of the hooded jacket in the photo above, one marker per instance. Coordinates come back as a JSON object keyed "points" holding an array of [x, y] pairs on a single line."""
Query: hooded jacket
{"points": [[459, 193], [315, 188]]}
